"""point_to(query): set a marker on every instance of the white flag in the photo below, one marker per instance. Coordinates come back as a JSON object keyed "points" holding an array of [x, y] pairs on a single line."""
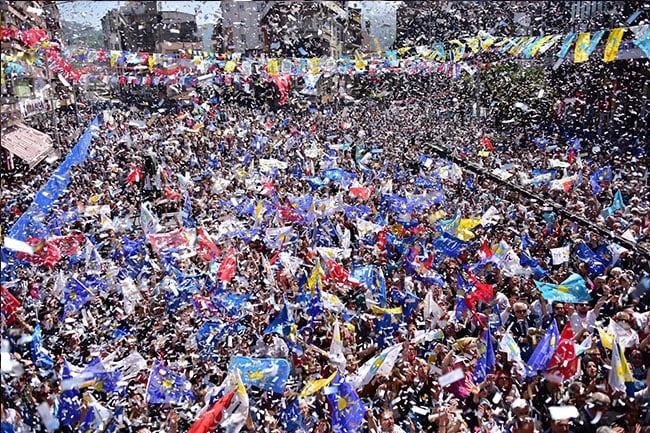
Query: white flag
{"points": [[381, 364], [560, 255]]}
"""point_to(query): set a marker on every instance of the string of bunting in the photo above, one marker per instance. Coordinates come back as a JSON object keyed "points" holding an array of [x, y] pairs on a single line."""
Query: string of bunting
{"points": [[452, 57]]}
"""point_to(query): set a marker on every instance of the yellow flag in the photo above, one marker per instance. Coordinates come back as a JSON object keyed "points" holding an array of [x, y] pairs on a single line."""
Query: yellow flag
{"points": [[230, 66], [380, 310], [487, 42], [114, 56], [473, 44], [519, 46], [314, 65], [464, 227], [313, 386], [315, 277], [539, 44], [272, 67], [606, 339], [151, 61], [484, 153], [613, 42], [582, 43]]}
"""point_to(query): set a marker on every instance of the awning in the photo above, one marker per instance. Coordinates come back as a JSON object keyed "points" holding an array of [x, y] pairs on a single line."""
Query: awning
{"points": [[28, 144]]}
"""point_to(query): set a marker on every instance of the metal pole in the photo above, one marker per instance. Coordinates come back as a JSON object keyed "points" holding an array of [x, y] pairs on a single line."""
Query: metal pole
{"points": [[52, 103]]}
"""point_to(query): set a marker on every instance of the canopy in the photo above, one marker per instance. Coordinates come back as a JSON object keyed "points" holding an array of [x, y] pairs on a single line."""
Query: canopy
{"points": [[29, 144]]}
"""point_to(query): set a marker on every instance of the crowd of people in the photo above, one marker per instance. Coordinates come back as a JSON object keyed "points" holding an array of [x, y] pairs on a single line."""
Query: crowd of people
{"points": [[402, 291]]}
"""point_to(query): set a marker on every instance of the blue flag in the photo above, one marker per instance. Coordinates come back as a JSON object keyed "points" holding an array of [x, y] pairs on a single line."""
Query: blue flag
{"points": [[461, 291], [75, 296], [372, 278], [585, 254], [91, 422], [407, 300], [165, 386], [527, 261], [572, 290], [449, 245], [486, 359], [70, 400], [282, 322], [211, 334], [543, 352], [495, 319], [186, 214], [270, 374], [115, 421], [348, 411], [106, 381], [40, 357]]}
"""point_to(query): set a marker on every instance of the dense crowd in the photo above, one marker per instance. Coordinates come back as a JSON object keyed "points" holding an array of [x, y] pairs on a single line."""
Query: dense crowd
{"points": [[331, 237]]}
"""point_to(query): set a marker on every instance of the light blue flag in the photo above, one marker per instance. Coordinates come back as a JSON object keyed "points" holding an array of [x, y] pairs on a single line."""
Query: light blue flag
{"points": [[572, 290], [486, 359], [595, 38], [40, 357], [566, 45], [617, 204], [494, 319], [643, 42], [348, 411], [270, 374]]}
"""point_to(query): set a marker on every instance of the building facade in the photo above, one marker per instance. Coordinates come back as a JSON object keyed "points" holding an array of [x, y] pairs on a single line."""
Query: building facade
{"points": [[240, 28], [29, 92], [311, 29], [141, 26]]}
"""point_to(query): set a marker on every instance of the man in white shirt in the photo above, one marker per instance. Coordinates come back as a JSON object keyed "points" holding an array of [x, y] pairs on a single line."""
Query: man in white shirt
{"points": [[585, 318]]}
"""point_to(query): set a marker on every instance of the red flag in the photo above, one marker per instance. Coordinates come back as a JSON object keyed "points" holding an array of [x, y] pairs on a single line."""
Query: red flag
{"points": [[174, 239], [567, 185], [381, 240], [209, 420], [45, 253], [283, 83], [481, 292], [277, 254], [338, 273], [485, 251], [267, 187], [207, 248], [69, 245], [170, 194], [135, 175], [288, 213], [572, 156], [9, 305], [485, 142], [361, 192], [564, 362], [228, 266]]}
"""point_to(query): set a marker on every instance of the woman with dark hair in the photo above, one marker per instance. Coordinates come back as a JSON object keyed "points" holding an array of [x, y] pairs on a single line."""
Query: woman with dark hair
{"points": [[592, 375]]}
